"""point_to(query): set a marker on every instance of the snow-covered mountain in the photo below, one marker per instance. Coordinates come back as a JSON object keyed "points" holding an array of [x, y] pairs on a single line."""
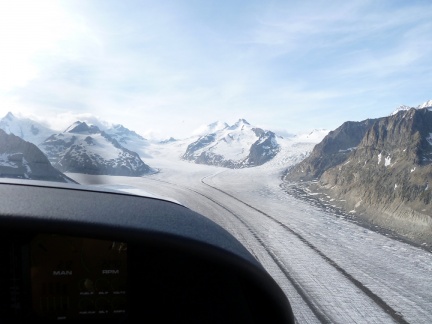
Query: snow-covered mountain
{"points": [[238, 146], [127, 138], [37, 133], [169, 140], [84, 148], [114, 149], [294, 149], [124, 136], [427, 104], [23, 160], [210, 128], [29, 130]]}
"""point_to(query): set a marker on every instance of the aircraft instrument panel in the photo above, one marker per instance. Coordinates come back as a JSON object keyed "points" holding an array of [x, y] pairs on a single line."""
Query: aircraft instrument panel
{"points": [[74, 277]]}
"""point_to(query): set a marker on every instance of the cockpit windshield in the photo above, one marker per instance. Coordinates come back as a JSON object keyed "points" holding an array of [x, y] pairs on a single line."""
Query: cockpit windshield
{"points": [[304, 128]]}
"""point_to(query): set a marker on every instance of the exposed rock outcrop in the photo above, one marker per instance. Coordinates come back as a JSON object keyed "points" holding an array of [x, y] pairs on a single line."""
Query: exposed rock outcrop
{"points": [[385, 177]]}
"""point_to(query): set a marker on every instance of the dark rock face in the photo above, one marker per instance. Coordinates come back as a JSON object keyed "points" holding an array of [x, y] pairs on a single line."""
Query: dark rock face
{"points": [[386, 178], [333, 150], [200, 143], [34, 130], [392, 163], [82, 127], [23, 160], [85, 149], [263, 150], [55, 145]]}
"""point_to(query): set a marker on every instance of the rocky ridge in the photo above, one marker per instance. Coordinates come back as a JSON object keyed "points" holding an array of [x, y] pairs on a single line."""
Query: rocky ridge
{"points": [[333, 150], [379, 170]]}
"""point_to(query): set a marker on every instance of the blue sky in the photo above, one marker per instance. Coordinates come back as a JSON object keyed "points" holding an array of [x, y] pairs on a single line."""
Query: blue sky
{"points": [[164, 68]]}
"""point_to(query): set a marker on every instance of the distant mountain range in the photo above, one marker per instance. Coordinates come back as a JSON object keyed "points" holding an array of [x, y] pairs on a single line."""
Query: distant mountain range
{"points": [[379, 169], [238, 146], [84, 148], [116, 150]]}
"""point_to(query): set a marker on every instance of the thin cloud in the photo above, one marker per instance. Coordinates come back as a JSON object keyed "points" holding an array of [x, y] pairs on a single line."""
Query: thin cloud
{"points": [[170, 67]]}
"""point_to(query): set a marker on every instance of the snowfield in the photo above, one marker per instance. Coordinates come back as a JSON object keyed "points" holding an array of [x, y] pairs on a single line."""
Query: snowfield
{"points": [[331, 269]]}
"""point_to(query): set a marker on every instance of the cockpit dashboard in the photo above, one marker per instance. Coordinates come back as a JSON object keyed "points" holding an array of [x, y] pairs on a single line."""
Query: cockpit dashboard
{"points": [[74, 255]]}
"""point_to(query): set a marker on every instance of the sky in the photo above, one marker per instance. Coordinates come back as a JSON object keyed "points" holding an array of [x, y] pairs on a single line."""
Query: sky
{"points": [[164, 68]]}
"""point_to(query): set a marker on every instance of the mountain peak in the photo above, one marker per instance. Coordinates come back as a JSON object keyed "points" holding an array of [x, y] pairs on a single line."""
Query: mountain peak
{"points": [[210, 128], [217, 125], [427, 104], [82, 127], [26, 128], [9, 116], [119, 127], [400, 108], [242, 121], [119, 130], [169, 140], [71, 127]]}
